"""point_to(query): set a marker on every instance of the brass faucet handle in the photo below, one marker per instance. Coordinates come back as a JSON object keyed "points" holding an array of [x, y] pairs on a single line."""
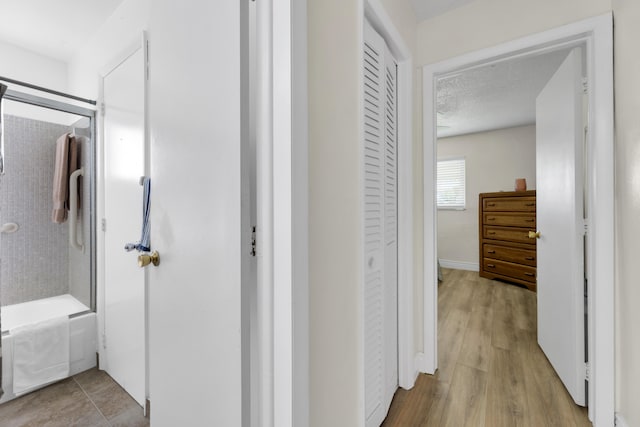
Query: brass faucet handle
{"points": [[146, 259]]}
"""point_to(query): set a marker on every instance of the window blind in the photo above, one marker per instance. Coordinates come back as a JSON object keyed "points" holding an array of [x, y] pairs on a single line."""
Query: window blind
{"points": [[450, 191]]}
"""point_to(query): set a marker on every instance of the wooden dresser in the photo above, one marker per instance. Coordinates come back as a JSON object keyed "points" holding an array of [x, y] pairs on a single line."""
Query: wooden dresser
{"points": [[506, 250]]}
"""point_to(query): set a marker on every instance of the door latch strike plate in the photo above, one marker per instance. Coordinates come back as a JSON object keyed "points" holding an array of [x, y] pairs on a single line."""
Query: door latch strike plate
{"points": [[253, 241]]}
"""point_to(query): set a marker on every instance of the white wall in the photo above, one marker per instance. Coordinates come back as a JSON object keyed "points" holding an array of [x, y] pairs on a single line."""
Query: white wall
{"points": [[30, 67], [477, 25], [493, 161], [627, 99], [484, 23], [123, 28], [334, 224], [402, 14], [27, 66], [335, 258]]}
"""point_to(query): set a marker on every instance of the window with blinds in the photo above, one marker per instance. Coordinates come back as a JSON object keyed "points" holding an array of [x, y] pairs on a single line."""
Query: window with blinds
{"points": [[450, 191]]}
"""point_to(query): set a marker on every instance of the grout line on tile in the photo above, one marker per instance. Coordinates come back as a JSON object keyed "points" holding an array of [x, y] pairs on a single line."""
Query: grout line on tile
{"points": [[91, 400]]}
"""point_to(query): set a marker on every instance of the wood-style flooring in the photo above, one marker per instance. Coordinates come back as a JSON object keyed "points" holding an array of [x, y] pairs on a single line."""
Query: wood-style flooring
{"points": [[492, 372]]}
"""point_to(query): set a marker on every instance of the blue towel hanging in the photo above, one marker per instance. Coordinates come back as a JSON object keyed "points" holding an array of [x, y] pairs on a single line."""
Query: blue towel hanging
{"points": [[144, 245]]}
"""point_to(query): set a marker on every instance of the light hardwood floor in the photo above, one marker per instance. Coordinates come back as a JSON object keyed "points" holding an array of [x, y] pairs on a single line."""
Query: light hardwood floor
{"points": [[492, 372]]}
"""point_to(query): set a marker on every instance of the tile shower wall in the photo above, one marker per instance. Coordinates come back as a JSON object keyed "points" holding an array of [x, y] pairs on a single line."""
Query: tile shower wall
{"points": [[33, 260]]}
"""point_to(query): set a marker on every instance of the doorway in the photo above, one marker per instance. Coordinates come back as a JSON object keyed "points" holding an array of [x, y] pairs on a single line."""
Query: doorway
{"points": [[596, 34], [494, 125], [124, 153]]}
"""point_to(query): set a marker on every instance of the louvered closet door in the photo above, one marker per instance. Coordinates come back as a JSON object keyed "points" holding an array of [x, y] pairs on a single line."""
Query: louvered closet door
{"points": [[380, 227], [390, 230]]}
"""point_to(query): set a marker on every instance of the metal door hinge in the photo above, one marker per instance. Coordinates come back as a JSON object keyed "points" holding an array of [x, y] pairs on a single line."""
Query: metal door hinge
{"points": [[103, 224], [104, 340], [253, 241], [102, 108], [587, 371]]}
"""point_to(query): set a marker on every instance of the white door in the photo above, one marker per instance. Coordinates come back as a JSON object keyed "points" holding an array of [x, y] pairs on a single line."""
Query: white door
{"points": [[390, 228], [560, 213], [198, 335], [124, 282], [380, 228]]}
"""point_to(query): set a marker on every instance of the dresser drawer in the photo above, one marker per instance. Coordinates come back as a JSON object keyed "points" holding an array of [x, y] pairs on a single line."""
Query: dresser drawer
{"points": [[510, 219], [510, 234], [504, 253], [512, 204], [503, 268]]}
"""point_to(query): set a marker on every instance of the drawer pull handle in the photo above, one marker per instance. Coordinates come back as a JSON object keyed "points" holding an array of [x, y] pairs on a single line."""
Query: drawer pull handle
{"points": [[491, 265], [529, 274], [491, 204], [491, 252], [530, 220], [491, 219], [529, 258], [529, 204], [491, 232]]}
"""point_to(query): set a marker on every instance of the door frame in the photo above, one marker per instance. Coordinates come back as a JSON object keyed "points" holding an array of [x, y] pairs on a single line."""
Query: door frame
{"points": [[375, 13], [282, 300], [597, 34]]}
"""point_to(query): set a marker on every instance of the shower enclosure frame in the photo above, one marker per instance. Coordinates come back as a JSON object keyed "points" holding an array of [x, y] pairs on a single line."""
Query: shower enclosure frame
{"points": [[52, 104]]}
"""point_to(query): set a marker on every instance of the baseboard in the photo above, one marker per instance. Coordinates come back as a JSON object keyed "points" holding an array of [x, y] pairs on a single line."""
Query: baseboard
{"points": [[414, 374], [459, 265], [419, 364], [620, 422]]}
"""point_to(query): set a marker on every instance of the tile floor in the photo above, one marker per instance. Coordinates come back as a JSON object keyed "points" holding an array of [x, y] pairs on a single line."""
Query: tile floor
{"points": [[91, 398]]}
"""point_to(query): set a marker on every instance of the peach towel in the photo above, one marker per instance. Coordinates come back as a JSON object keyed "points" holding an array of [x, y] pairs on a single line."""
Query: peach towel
{"points": [[67, 161]]}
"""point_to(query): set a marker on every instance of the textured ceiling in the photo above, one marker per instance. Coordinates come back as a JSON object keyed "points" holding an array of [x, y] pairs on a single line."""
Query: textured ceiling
{"points": [[426, 9], [54, 28], [494, 96]]}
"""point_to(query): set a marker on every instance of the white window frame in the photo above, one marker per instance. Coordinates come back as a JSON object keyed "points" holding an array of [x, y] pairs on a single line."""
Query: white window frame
{"points": [[453, 206]]}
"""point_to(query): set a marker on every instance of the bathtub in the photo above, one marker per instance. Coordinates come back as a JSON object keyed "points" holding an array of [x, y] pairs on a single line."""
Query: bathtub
{"points": [[82, 333]]}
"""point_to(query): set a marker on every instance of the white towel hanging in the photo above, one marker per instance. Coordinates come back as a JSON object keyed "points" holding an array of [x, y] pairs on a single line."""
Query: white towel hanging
{"points": [[40, 354]]}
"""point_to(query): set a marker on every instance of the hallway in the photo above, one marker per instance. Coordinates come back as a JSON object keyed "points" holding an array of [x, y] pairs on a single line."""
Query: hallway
{"points": [[491, 371]]}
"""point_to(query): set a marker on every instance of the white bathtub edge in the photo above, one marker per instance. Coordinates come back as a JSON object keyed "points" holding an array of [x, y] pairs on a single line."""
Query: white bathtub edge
{"points": [[82, 351]]}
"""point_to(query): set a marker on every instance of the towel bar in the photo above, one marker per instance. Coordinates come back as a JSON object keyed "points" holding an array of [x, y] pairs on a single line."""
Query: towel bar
{"points": [[73, 209]]}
